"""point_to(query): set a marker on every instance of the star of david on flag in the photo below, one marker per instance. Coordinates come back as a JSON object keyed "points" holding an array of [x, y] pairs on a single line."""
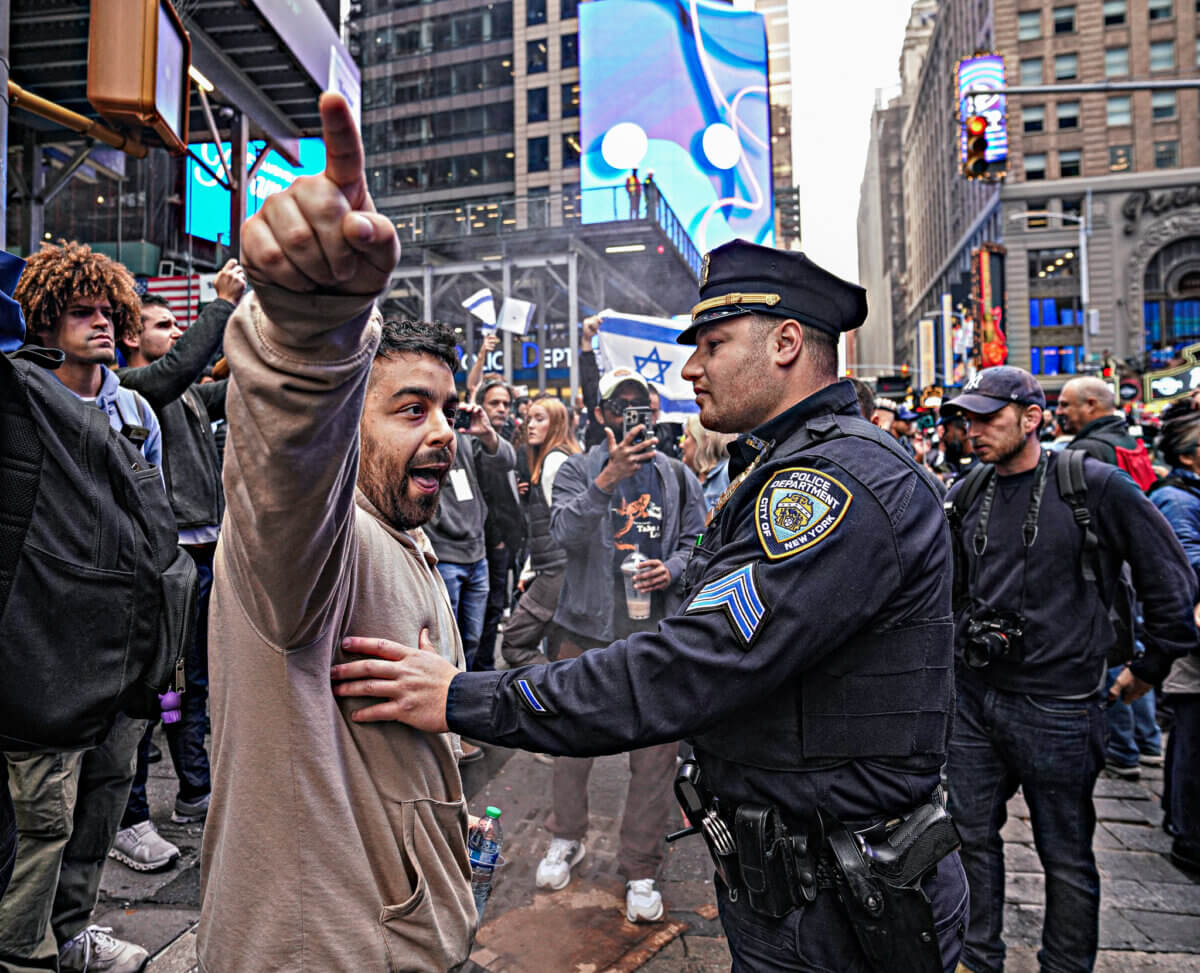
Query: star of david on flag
{"points": [[647, 346]]}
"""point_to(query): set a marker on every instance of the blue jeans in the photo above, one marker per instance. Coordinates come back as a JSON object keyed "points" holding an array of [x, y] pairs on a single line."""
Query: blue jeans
{"points": [[1181, 783], [1053, 749], [1132, 730], [185, 738], [467, 585], [819, 938]]}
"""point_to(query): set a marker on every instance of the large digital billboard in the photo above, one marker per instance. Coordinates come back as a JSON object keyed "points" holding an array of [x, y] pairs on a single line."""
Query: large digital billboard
{"points": [[676, 90], [984, 73], [208, 200]]}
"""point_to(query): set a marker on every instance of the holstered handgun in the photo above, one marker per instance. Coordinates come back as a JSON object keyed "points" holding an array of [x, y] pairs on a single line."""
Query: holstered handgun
{"points": [[879, 887]]}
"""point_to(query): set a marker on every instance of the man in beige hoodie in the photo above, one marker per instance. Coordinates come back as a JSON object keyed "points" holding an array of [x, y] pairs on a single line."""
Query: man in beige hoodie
{"points": [[331, 845]]}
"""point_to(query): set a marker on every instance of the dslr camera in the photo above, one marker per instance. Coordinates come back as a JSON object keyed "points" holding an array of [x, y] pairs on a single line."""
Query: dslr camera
{"points": [[992, 636]]}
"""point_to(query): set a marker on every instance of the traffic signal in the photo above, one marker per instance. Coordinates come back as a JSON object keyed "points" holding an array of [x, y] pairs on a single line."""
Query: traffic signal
{"points": [[975, 163], [137, 71]]}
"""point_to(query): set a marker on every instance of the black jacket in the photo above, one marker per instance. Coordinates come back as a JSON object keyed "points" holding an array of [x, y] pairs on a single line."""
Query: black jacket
{"points": [[191, 463], [1068, 631], [1100, 437]]}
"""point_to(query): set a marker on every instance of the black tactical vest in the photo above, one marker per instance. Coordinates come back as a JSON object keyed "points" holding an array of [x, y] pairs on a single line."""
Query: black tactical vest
{"points": [[883, 694]]}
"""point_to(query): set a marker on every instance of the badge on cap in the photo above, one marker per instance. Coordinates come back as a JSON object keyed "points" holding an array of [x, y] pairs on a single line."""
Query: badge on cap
{"points": [[704, 269], [797, 509]]}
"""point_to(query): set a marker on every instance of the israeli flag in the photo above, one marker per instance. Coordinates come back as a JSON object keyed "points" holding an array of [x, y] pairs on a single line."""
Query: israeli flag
{"points": [[482, 306], [647, 346]]}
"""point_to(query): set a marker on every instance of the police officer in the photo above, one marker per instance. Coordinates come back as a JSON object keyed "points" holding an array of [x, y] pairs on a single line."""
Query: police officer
{"points": [[810, 663]]}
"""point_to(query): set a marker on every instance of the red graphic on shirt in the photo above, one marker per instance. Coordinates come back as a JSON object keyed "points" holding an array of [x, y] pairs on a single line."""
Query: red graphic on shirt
{"points": [[631, 510]]}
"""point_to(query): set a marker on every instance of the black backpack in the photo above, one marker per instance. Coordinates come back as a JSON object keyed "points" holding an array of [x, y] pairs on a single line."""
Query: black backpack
{"points": [[97, 600], [1072, 488]]}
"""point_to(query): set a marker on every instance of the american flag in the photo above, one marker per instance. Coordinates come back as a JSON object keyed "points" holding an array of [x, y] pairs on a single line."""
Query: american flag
{"points": [[184, 302]]}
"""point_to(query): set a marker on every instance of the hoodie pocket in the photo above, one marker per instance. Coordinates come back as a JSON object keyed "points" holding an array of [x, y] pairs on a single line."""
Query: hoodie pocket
{"points": [[431, 929]]}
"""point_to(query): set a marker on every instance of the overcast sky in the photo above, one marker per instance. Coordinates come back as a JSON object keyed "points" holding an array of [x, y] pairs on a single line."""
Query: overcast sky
{"points": [[842, 50]]}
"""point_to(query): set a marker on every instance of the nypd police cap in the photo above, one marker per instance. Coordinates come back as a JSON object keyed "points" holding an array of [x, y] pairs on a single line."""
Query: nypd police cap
{"points": [[744, 278]]}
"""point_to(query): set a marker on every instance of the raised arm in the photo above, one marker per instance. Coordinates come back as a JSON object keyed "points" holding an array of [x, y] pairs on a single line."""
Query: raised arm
{"points": [[168, 378], [300, 352], [475, 375]]}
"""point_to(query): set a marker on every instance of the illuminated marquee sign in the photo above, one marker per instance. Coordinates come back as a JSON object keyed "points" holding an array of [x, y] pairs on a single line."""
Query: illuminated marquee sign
{"points": [[1173, 383], [983, 72]]}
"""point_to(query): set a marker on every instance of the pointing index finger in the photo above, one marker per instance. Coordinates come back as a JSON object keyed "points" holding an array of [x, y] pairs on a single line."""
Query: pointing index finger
{"points": [[344, 151]]}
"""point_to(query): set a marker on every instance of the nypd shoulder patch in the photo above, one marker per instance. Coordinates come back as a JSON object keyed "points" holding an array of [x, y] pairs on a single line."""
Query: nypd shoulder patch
{"points": [[797, 509], [736, 595], [532, 699]]}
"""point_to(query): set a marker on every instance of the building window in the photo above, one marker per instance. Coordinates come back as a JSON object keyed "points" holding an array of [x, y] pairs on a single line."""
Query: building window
{"points": [[535, 12], [1069, 163], [570, 50], [1161, 10], [1066, 67], [1036, 214], [1073, 206], [570, 150], [1116, 62], [1034, 118], [569, 9], [539, 154], [1114, 13], [570, 100], [1064, 20], [1119, 110], [1162, 105], [537, 104], [1198, 52], [1029, 25], [1035, 166], [1067, 113], [1162, 56], [1031, 70], [1120, 158], [536, 57], [1166, 155]]}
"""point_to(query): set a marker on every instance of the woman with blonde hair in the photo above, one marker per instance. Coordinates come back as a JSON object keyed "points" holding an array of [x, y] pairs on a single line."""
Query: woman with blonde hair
{"points": [[706, 454], [548, 444]]}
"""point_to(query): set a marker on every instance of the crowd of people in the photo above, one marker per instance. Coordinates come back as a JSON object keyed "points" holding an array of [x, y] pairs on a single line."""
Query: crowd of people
{"points": [[483, 566]]}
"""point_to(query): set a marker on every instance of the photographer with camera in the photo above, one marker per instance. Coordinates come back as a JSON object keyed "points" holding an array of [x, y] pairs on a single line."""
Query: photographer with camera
{"points": [[619, 503], [1039, 545]]}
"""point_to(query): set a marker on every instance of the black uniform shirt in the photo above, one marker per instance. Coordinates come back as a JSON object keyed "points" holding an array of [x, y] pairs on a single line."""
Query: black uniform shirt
{"points": [[859, 543]]}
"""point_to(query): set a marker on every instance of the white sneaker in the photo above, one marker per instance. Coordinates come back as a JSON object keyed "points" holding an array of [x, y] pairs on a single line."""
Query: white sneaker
{"points": [[554, 871], [143, 849], [643, 902], [94, 950]]}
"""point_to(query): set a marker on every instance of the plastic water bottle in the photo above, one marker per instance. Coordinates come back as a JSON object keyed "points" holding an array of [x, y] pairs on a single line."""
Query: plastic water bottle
{"points": [[483, 848]]}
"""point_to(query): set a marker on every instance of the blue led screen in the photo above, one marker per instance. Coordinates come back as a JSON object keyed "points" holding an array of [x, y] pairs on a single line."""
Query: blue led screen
{"points": [[983, 73], [677, 88], [208, 200]]}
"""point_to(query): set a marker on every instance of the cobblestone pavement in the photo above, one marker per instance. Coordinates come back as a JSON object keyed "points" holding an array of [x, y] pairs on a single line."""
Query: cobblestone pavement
{"points": [[1150, 918]]}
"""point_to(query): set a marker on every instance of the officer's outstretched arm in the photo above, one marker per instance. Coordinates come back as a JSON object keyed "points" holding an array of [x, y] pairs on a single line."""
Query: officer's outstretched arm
{"points": [[767, 609]]}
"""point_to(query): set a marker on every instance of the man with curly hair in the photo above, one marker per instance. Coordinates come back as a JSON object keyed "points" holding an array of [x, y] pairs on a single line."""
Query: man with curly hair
{"points": [[69, 804]]}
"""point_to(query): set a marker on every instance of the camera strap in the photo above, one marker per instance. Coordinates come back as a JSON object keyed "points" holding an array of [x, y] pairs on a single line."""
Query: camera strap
{"points": [[1029, 525]]}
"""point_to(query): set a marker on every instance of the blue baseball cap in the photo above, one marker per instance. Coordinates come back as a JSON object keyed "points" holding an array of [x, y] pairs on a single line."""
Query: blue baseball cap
{"points": [[991, 389]]}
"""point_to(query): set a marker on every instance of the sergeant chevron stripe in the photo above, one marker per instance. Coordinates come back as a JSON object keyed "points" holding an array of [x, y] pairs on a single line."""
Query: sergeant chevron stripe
{"points": [[737, 596]]}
